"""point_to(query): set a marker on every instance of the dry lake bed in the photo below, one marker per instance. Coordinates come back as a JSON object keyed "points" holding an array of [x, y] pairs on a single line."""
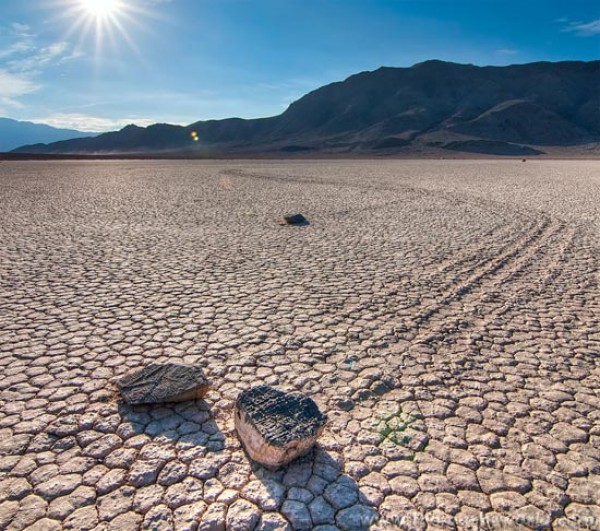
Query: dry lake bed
{"points": [[445, 315]]}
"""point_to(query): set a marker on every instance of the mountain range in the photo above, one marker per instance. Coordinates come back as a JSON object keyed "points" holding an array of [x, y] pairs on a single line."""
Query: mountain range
{"points": [[14, 133], [514, 110]]}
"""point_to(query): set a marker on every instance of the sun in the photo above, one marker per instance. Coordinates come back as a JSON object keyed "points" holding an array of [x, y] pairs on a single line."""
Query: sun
{"points": [[101, 8], [105, 23]]}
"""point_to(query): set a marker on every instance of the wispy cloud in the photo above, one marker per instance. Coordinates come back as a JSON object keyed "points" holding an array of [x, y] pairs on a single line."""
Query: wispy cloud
{"points": [[13, 86], [23, 59], [21, 30], [39, 58], [16, 48], [583, 29], [22, 41], [90, 123]]}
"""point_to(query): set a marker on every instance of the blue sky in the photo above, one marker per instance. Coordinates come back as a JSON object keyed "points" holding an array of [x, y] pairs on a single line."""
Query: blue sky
{"points": [[179, 61]]}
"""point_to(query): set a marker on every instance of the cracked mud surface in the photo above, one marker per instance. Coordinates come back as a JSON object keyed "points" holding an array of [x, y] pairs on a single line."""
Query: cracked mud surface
{"points": [[445, 315]]}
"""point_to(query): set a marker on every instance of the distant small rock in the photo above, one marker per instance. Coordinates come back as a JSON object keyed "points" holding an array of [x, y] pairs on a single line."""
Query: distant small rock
{"points": [[168, 382], [275, 427], [294, 219]]}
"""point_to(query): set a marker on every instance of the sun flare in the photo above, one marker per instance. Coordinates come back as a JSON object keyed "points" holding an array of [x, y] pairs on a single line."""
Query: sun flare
{"points": [[105, 25], [101, 8]]}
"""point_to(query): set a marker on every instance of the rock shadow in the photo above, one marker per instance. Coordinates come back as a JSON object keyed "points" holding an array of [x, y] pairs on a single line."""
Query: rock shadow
{"points": [[314, 491], [189, 424]]}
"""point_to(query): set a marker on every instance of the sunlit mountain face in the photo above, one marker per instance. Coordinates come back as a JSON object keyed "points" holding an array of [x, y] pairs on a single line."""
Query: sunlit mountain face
{"points": [[432, 105]]}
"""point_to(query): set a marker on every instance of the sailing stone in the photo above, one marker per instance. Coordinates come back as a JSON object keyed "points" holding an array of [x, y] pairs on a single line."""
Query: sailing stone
{"points": [[294, 219], [168, 382], [276, 427]]}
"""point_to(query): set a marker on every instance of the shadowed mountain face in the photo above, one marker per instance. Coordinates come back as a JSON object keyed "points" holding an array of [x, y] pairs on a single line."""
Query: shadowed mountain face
{"points": [[542, 104], [14, 133]]}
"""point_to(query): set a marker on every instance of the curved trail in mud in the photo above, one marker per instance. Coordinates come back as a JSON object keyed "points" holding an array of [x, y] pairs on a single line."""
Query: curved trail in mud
{"points": [[445, 315]]}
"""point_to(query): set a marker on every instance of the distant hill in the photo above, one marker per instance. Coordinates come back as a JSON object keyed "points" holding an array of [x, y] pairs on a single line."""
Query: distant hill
{"points": [[14, 133], [434, 104]]}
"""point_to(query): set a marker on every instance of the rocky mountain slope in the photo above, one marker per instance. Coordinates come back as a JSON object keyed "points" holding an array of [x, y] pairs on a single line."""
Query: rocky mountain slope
{"points": [[433, 104]]}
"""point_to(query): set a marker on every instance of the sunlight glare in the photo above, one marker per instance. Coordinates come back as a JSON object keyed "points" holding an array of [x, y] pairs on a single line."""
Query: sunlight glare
{"points": [[109, 22], [101, 8]]}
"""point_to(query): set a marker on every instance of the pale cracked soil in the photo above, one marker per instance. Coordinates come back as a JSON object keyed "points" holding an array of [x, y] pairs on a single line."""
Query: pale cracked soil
{"points": [[445, 315]]}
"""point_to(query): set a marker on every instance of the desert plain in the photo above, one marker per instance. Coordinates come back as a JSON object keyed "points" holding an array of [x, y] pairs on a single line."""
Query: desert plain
{"points": [[445, 315]]}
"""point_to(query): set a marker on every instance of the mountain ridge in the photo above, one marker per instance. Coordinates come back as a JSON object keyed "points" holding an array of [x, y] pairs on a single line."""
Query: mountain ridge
{"points": [[433, 103], [14, 133]]}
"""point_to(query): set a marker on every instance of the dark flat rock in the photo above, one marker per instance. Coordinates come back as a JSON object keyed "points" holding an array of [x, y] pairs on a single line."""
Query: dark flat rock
{"points": [[276, 427], [294, 219], [168, 382]]}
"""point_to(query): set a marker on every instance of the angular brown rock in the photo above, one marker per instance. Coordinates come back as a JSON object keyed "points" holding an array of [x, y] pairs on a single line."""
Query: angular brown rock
{"points": [[276, 427], [168, 382]]}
